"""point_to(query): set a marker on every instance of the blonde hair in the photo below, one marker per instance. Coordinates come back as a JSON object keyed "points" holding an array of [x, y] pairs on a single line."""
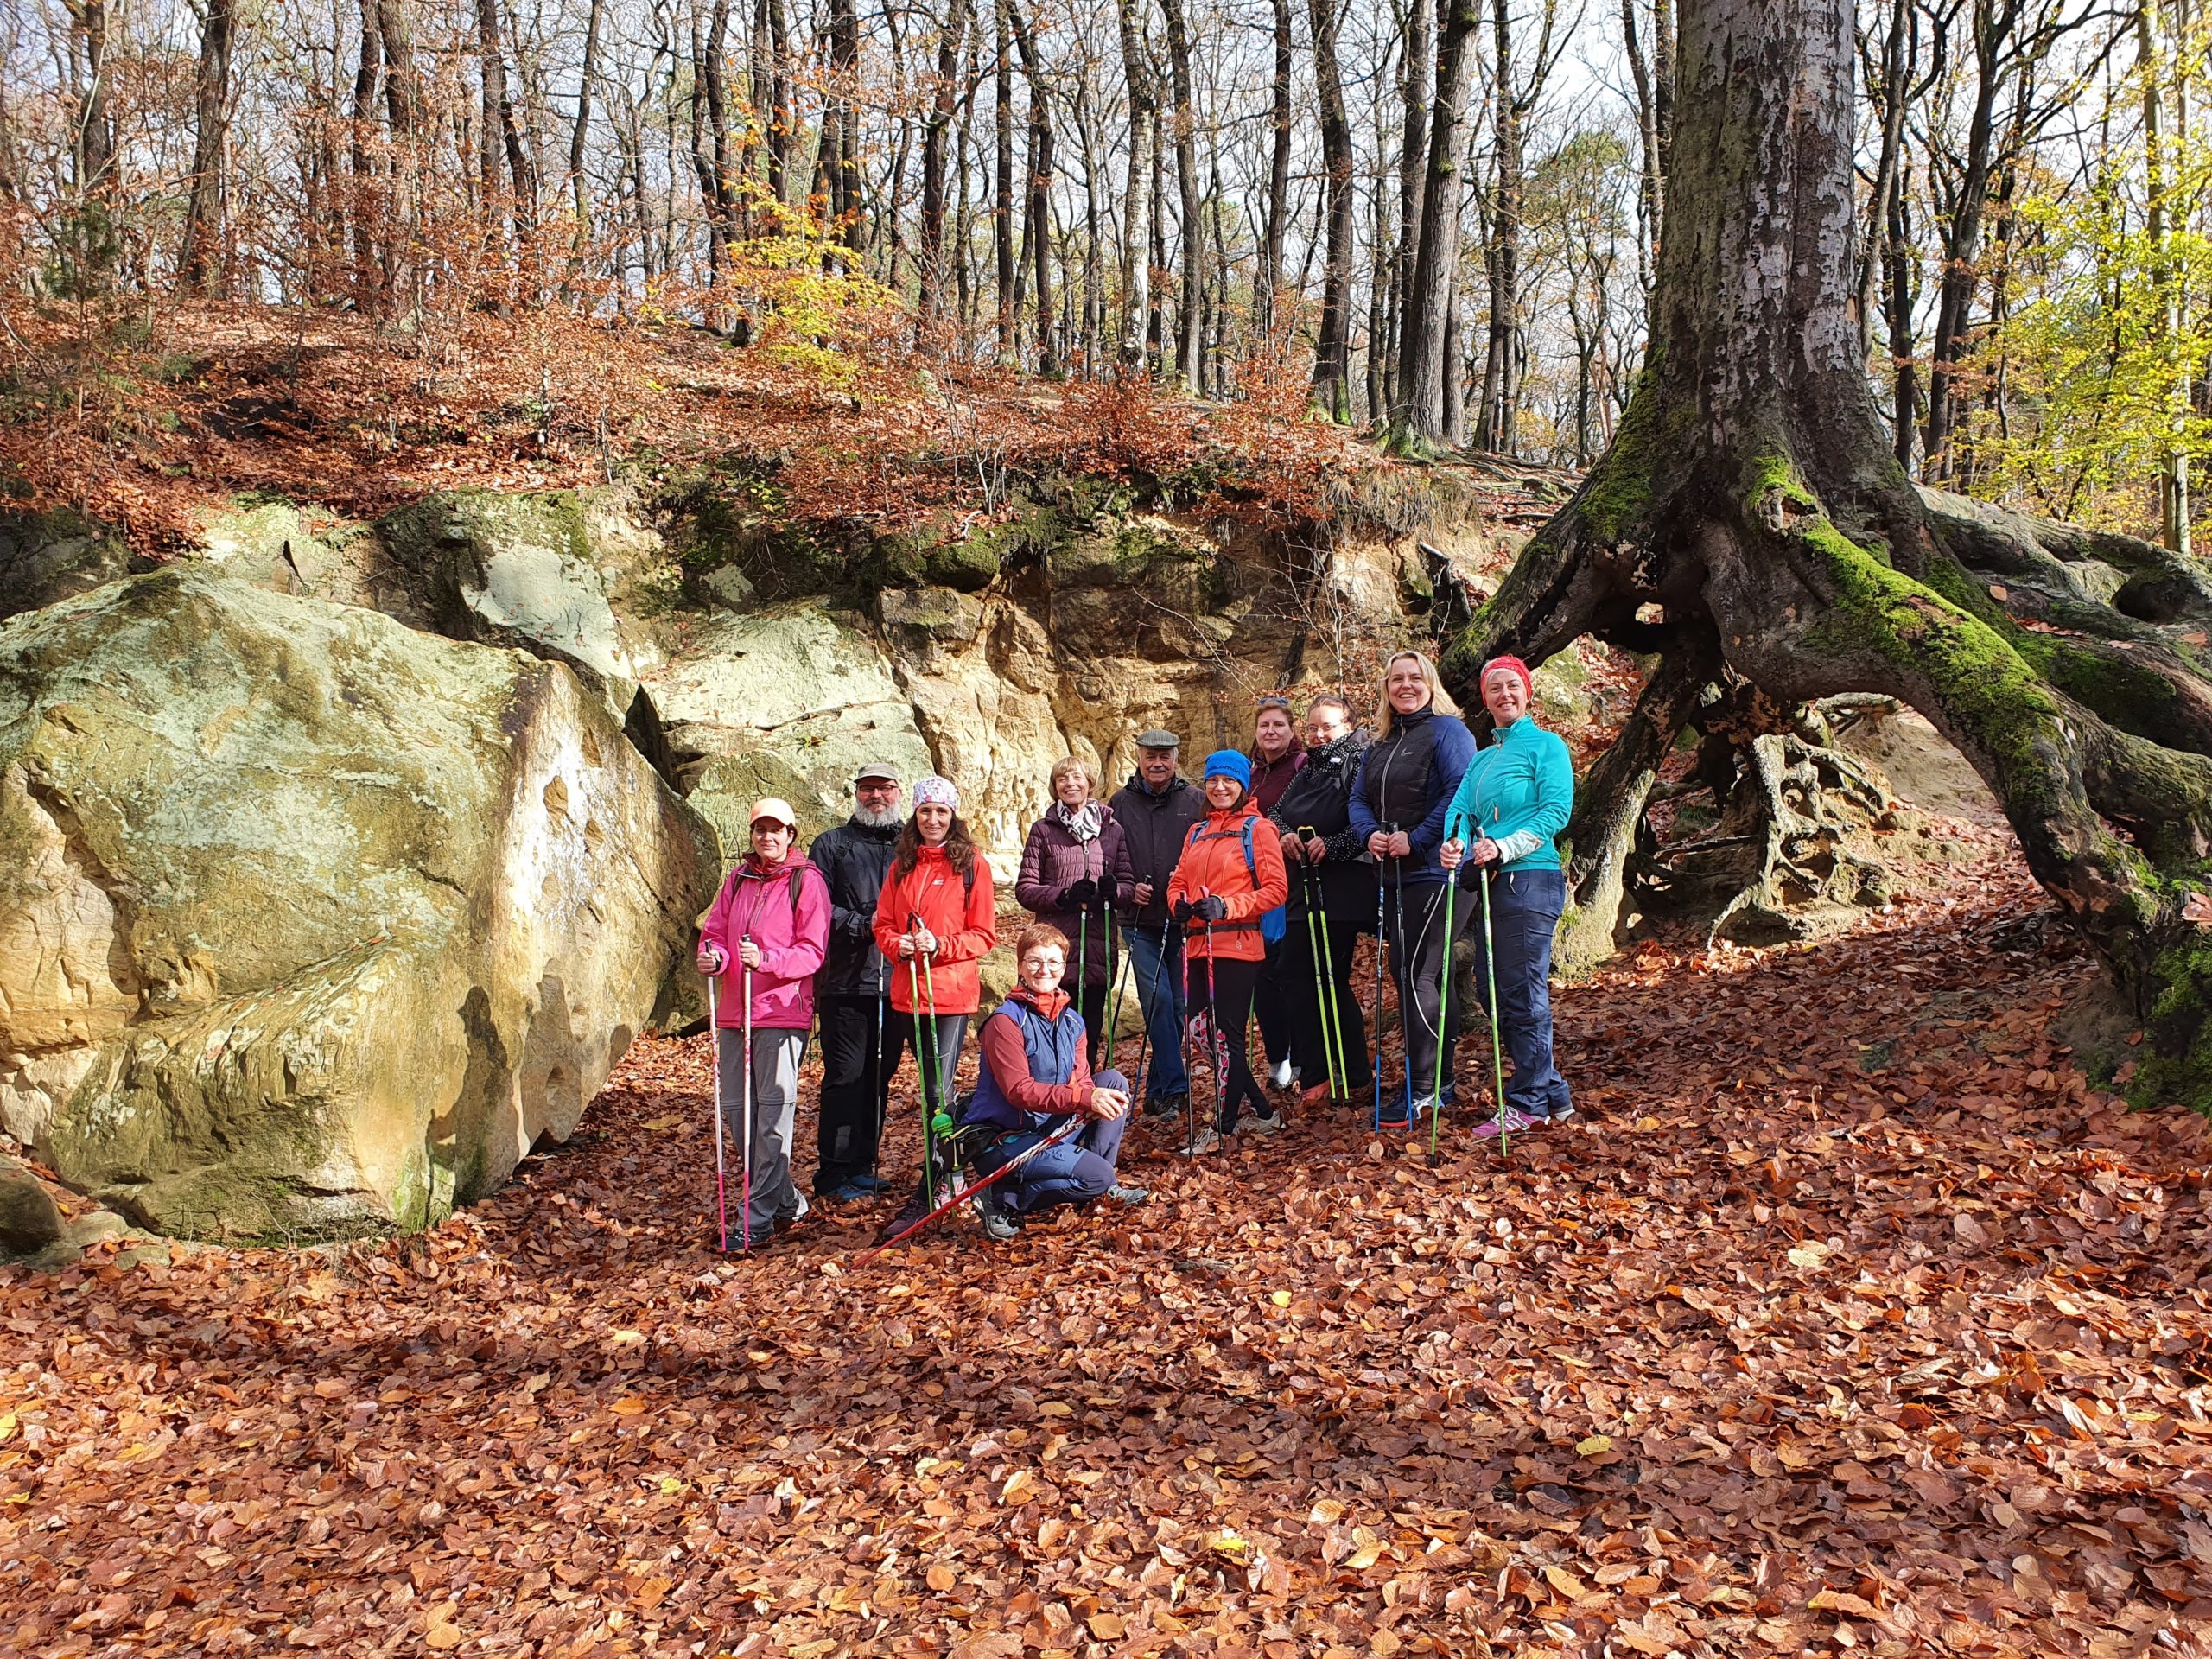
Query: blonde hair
{"points": [[1066, 764], [1440, 700]]}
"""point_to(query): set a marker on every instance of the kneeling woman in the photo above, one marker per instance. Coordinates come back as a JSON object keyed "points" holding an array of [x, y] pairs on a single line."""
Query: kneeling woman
{"points": [[1034, 1078]]}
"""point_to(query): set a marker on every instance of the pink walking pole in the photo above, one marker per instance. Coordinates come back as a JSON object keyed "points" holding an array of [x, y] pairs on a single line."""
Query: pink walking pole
{"points": [[746, 990], [714, 1053]]}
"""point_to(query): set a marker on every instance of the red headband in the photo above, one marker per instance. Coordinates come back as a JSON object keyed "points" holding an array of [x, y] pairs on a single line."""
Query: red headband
{"points": [[1528, 680]]}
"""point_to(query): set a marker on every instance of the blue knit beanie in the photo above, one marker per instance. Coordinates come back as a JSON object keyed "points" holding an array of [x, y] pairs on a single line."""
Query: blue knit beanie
{"points": [[1230, 763]]}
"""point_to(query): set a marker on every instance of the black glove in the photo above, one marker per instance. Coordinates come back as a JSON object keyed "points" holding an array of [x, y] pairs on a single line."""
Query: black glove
{"points": [[1079, 895], [1212, 908], [1184, 909]]}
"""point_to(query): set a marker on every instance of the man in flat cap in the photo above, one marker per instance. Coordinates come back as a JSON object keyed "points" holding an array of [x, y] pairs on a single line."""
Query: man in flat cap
{"points": [[853, 989], [1156, 809]]}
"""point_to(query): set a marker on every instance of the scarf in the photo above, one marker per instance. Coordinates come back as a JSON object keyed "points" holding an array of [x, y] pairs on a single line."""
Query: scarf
{"points": [[1083, 823]]}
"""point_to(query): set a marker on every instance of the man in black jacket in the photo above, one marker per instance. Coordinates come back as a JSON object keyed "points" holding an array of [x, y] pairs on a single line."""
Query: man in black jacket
{"points": [[852, 993], [1156, 809]]}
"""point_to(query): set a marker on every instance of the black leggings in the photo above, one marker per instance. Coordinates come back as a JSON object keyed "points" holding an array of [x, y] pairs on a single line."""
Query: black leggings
{"points": [[1229, 998]]}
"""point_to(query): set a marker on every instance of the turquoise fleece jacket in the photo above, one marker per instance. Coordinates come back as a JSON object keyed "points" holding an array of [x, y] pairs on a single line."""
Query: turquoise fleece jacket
{"points": [[1519, 792]]}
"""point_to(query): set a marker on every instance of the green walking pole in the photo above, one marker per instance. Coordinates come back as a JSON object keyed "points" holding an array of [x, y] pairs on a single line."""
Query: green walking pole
{"points": [[1324, 1002], [939, 1122], [1496, 1050], [1444, 1002], [1336, 1013]]}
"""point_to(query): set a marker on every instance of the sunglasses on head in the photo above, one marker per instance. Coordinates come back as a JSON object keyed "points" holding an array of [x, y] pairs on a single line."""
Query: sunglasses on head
{"points": [[1282, 704]]}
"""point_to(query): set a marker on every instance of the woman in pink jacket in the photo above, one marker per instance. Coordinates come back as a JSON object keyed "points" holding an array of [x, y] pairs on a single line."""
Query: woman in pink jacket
{"points": [[773, 917]]}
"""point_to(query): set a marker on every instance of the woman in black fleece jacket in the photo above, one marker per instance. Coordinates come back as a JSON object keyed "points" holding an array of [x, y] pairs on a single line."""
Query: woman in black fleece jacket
{"points": [[1322, 851]]}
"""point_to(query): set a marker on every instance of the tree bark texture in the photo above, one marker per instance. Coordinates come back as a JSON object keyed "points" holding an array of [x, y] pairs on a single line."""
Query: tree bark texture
{"points": [[200, 261], [1423, 361], [1332, 344], [1750, 513]]}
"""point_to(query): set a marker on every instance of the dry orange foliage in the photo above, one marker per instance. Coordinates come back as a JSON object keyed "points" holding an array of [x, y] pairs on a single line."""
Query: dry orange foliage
{"points": [[140, 420], [1849, 1317]]}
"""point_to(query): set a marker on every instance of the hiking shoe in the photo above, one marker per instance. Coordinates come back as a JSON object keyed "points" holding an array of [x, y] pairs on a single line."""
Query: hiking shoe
{"points": [[1512, 1121], [846, 1192], [873, 1185], [900, 1223], [1393, 1117], [1261, 1123], [1284, 1075], [1204, 1140], [1560, 1113], [1166, 1105], [1425, 1105], [1121, 1193], [1316, 1097], [794, 1212], [998, 1222]]}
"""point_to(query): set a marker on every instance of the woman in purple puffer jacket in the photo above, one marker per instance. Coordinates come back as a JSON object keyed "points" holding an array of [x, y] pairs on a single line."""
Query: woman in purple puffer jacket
{"points": [[1074, 866]]}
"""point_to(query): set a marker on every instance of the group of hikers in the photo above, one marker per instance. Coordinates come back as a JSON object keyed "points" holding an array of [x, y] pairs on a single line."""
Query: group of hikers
{"points": [[1242, 895]]}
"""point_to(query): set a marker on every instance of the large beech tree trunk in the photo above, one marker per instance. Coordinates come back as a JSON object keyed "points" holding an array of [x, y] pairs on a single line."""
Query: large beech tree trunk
{"points": [[1751, 523]]}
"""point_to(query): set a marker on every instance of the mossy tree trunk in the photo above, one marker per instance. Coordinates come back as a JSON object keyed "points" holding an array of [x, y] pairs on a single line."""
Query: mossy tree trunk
{"points": [[1750, 514]]}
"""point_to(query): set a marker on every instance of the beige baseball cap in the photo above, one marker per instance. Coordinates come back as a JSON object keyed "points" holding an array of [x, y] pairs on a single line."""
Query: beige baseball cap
{"points": [[774, 807]]}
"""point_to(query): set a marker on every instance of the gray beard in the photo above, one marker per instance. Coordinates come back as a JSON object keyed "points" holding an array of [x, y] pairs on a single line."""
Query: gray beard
{"points": [[869, 817]]}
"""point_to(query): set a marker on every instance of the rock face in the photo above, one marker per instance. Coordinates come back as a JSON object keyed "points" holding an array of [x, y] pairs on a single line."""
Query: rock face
{"points": [[310, 923], [30, 1220], [45, 556]]}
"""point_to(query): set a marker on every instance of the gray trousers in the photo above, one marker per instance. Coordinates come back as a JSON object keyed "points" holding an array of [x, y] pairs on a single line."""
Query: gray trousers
{"points": [[776, 1055]]}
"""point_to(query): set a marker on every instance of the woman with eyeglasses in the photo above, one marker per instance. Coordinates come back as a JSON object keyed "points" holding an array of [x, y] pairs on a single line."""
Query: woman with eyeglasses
{"points": [[1276, 758]]}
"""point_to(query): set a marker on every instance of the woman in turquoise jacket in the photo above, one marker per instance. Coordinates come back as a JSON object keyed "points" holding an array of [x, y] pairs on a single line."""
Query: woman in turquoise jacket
{"points": [[1504, 821]]}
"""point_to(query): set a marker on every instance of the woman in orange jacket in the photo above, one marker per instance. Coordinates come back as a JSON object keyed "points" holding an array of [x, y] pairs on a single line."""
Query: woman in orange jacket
{"points": [[934, 922], [1228, 891]]}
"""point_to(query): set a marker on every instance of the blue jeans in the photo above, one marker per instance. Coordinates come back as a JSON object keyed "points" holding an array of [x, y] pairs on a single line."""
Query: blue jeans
{"points": [[1156, 958], [1075, 1171], [1525, 907]]}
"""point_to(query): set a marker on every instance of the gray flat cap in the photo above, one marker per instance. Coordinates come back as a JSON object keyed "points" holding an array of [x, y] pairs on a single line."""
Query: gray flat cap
{"points": [[1156, 739]]}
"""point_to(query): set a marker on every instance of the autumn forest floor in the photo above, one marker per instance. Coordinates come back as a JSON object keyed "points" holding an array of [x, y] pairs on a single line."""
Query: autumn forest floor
{"points": [[1846, 1315]]}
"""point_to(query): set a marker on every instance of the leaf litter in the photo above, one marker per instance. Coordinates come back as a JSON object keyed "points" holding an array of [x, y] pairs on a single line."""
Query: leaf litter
{"points": [[1848, 1316]]}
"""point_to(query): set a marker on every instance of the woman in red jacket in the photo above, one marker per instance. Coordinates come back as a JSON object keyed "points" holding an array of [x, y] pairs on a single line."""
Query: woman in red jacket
{"points": [[1229, 877], [934, 922]]}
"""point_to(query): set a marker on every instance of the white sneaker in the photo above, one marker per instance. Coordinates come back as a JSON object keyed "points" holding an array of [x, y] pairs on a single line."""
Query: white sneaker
{"points": [[1283, 1075]]}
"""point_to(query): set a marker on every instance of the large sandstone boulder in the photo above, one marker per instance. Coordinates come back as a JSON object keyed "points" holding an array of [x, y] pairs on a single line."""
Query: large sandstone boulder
{"points": [[310, 924], [791, 701]]}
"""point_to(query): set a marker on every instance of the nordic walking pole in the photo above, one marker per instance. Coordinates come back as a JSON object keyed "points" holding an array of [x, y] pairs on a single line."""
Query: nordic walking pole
{"points": [[1215, 1039], [1375, 1026], [714, 1053], [923, 1056], [1443, 1001], [745, 989], [1405, 977], [1111, 1004], [936, 1074], [1496, 1049], [1336, 1014], [1310, 886], [882, 1089], [1074, 1125], [1082, 967], [1146, 1003]]}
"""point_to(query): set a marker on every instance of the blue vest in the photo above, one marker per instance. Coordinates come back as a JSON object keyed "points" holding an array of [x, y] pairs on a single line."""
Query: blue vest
{"points": [[1051, 1048]]}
